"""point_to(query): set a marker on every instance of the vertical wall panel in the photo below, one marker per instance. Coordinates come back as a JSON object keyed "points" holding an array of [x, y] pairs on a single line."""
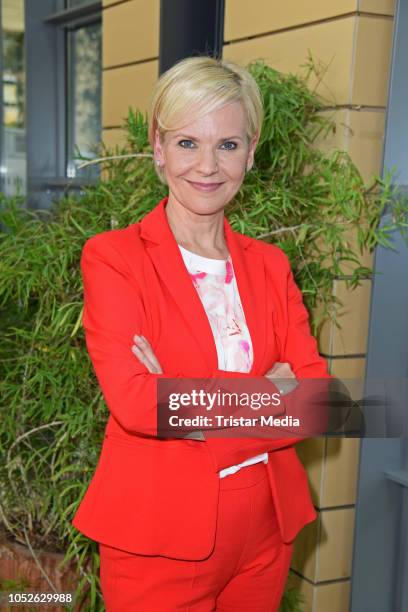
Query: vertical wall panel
{"points": [[325, 552], [131, 32], [372, 56], [351, 337], [124, 87], [130, 61], [361, 133]]}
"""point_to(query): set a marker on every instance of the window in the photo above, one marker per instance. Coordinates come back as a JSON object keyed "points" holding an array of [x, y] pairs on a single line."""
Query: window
{"points": [[12, 98], [64, 75], [84, 97]]}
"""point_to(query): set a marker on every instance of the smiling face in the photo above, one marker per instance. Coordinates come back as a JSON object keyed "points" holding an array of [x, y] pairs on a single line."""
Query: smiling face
{"points": [[205, 160]]}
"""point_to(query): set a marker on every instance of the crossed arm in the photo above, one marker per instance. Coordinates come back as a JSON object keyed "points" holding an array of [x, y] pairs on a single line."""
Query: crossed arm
{"points": [[145, 354]]}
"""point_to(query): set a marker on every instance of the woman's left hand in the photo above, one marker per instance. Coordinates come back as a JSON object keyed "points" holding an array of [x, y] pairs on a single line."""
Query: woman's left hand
{"points": [[144, 352]]}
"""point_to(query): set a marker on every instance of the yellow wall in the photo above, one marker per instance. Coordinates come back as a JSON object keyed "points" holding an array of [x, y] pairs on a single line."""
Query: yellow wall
{"points": [[130, 61], [353, 39]]}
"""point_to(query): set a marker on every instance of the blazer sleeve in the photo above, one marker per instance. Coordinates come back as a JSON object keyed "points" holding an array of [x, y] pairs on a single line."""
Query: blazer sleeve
{"points": [[112, 315]]}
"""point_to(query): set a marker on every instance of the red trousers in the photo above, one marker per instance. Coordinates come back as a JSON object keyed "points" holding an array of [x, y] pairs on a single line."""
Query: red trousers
{"points": [[247, 569]]}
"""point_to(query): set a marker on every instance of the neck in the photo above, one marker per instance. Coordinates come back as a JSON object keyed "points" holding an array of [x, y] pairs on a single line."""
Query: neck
{"points": [[201, 234]]}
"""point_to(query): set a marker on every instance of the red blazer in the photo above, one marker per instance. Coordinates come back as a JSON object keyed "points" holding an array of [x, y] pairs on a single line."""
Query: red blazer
{"points": [[155, 496]]}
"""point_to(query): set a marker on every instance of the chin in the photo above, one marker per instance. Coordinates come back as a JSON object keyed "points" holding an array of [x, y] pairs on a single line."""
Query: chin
{"points": [[202, 206]]}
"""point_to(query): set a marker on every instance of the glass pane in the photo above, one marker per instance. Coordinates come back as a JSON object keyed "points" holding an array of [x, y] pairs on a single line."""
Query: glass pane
{"points": [[75, 3], [84, 97], [12, 140]]}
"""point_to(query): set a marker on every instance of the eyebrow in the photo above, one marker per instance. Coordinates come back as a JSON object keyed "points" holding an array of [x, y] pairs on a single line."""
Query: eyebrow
{"points": [[198, 140]]}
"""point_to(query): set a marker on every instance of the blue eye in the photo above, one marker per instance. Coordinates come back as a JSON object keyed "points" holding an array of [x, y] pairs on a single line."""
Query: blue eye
{"points": [[229, 142], [181, 141]]}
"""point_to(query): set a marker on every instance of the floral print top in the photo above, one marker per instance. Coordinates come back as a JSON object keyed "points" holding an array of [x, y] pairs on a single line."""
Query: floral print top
{"points": [[216, 285]]}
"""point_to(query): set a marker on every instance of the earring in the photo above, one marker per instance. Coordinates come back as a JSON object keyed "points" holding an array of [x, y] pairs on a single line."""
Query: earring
{"points": [[158, 162]]}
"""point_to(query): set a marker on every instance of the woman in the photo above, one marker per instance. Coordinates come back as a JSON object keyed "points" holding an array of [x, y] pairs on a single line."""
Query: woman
{"points": [[199, 523]]}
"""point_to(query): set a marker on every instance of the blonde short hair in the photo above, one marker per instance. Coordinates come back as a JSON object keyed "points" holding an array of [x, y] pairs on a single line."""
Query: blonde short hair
{"points": [[195, 86]]}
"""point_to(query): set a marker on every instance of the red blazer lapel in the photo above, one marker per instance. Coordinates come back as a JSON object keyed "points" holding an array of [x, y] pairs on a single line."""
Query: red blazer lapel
{"points": [[249, 270]]}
